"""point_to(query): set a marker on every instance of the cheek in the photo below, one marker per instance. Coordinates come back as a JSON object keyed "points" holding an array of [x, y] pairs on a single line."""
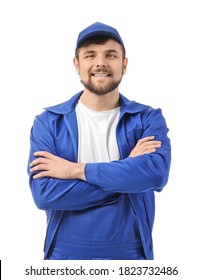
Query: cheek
{"points": [[84, 71]]}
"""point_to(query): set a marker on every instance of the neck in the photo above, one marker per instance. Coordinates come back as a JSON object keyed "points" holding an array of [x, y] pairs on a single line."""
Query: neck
{"points": [[104, 102]]}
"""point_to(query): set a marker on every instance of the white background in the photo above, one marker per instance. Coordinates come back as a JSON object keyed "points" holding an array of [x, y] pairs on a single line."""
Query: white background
{"points": [[163, 43]]}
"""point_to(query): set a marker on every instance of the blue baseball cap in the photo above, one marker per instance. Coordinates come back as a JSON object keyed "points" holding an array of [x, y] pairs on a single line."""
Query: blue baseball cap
{"points": [[96, 29]]}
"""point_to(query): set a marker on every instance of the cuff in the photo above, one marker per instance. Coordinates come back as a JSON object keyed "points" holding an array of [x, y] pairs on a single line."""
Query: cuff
{"points": [[92, 173]]}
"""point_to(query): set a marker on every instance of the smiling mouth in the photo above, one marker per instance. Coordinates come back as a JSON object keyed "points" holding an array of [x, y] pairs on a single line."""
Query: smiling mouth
{"points": [[101, 75]]}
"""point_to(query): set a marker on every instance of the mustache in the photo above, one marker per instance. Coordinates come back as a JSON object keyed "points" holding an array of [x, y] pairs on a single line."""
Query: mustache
{"points": [[101, 70]]}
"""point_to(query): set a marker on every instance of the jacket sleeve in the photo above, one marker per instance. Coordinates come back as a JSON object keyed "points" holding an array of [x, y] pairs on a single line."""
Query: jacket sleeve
{"points": [[55, 194], [141, 173]]}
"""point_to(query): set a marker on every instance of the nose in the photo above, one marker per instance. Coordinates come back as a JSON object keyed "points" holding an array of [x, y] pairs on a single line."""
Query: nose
{"points": [[101, 62], [99, 65]]}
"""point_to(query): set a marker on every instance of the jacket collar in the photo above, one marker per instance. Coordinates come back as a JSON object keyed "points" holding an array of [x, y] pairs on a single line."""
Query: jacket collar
{"points": [[65, 107], [127, 106], [131, 107]]}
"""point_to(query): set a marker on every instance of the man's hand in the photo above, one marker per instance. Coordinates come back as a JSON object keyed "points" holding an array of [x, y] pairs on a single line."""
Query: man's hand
{"points": [[145, 145], [50, 165]]}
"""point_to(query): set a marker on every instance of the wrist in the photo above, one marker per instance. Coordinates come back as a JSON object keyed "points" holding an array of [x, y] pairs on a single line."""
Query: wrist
{"points": [[78, 171]]}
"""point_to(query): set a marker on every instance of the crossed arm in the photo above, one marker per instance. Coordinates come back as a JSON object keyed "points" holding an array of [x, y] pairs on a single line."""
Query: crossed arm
{"points": [[49, 165]]}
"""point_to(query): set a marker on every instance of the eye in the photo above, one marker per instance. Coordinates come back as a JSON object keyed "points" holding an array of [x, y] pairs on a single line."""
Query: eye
{"points": [[89, 56], [111, 55]]}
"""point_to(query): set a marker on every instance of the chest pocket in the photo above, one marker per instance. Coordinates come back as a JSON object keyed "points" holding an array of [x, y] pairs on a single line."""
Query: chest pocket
{"points": [[133, 136]]}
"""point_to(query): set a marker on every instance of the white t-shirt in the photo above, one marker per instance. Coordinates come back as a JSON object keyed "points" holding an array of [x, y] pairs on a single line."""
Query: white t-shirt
{"points": [[97, 134]]}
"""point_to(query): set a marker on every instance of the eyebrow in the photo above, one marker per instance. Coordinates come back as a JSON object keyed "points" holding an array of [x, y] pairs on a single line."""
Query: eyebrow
{"points": [[111, 51], [107, 51], [89, 51]]}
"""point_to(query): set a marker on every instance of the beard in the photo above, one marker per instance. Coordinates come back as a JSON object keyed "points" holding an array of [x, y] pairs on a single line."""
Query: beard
{"points": [[101, 89]]}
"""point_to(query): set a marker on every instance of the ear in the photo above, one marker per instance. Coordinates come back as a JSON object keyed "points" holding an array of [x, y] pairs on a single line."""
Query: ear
{"points": [[76, 64], [125, 63]]}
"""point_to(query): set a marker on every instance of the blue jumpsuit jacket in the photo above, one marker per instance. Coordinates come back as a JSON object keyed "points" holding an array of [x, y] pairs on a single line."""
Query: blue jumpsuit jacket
{"points": [[55, 130]]}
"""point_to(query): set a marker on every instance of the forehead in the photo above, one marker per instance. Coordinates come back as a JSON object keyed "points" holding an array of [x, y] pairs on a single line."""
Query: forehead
{"points": [[109, 45]]}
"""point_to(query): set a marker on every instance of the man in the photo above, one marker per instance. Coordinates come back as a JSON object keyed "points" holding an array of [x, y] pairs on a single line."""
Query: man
{"points": [[96, 160]]}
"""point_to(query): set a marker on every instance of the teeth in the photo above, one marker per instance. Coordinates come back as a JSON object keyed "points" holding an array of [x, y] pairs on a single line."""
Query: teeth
{"points": [[100, 75]]}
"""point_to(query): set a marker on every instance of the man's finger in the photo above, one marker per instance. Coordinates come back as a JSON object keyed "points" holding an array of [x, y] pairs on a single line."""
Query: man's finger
{"points": [[43, 154]]}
